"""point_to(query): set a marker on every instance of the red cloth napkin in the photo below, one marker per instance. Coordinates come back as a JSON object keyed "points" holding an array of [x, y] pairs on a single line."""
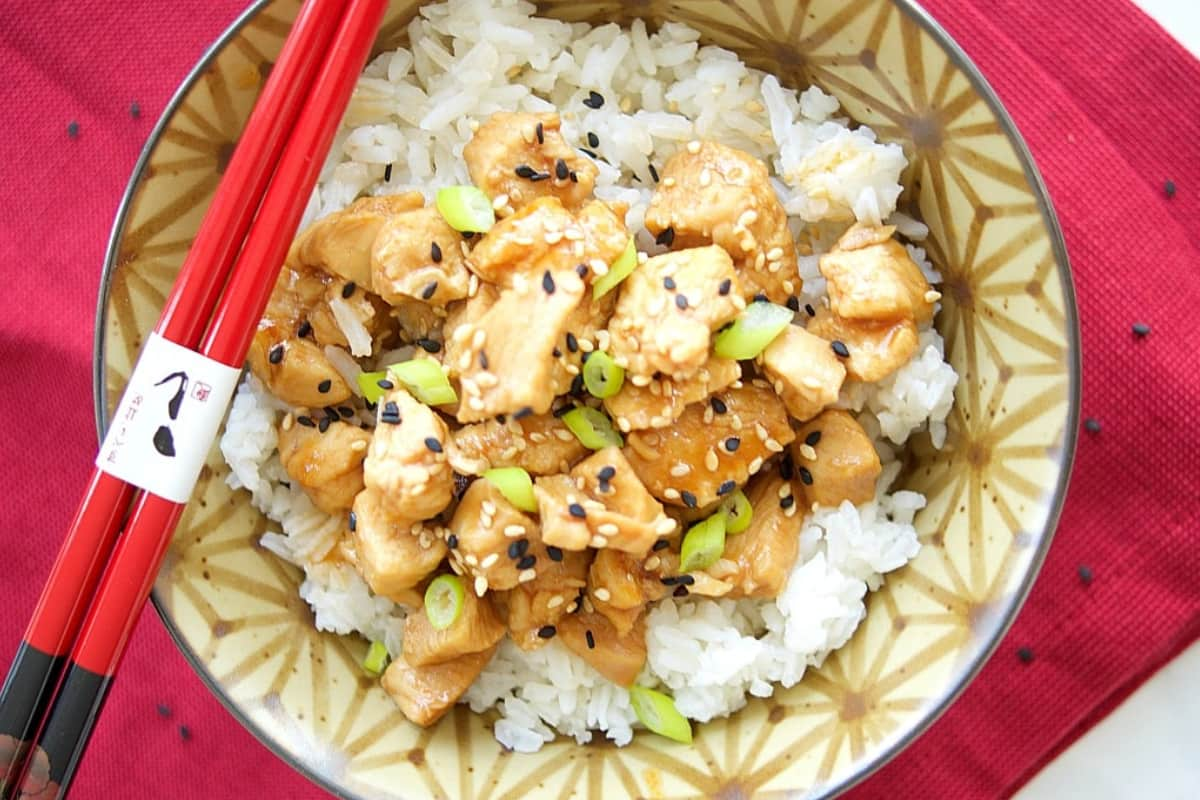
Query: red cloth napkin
{"points": [[1108, 104]]}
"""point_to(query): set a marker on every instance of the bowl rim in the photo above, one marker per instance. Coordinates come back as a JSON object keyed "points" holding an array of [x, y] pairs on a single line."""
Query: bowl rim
{"points": [[959, 58]]}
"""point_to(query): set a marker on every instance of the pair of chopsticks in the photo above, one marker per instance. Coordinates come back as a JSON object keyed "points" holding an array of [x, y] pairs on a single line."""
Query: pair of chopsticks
{"points": [[60, 676]]}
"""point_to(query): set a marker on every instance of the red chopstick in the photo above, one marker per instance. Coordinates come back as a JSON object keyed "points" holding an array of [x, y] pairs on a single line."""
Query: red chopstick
{"points": [[138, 554]]}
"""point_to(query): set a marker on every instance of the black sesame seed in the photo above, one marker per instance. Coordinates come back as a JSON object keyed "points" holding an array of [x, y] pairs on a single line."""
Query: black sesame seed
{"points": [[331, 412], [185, 732], [786, 469], [669, 283], [562, 411], [686, 580], [164, 710], [73, 129], [385, 384], [387, 173], [761, 297], [574, 177], [577, 384], [666, 237], [669, 580], [594, 100], [724, 287], [808, 309], [805, 476], [592, 139], [661, 544], [276, 354], [547, 632], [787, 502], [555, 553], [433, 444], [572, 343], [680, 591], [135, 110], [323, 425], [1169, 188], [522, 412], [452, 541], [306, 422], [1091, 425], [681, 302], [539, 176], [589, 153], [304, 330], [732, 444], [688, 499], [1085, 574], [653, 173], [581, 270], [1141, 329], [556, 353], [348, 289], [547, 282], [390, 413], [527, 562], [561, 171], [718, 405], [429, 345], [607, 473], [576, 510], [793, 303], [840, 349], [591, 640], [353, 521], [517, 549], [435, 252], [813, 438], [1025, 654], [540, 132], [525, 171], [324, 386], [725, 488], [483, 360]]}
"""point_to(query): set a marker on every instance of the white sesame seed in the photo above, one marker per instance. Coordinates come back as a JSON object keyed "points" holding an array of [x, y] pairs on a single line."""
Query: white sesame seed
{"points": [[288, 421], [756, 464], [668, 182], [811, 382], [708, 415], [807, 452], [499, 202], [598, 542], [693, 147], [586, 346], [641, 380], [774, 266], [705, 177], [932, 296], [710, 461], [789, 287], [760, 431], [537, 437], [489, 561], [553, 237], [471, 560], [587, 605], [488, 507], [602, 594], [773, 445], [555, 602], [735, 422], [602, 339], [571, 369], [573, 234], [679, 470], [562, 435], [526, 575], [464, 361], [790, 511], [478, 338], [624, 424], [359, 446], [664, 526], [671, 493], [457, 567], [487, 380], [608, 529], [784, 490], [481, 585]]}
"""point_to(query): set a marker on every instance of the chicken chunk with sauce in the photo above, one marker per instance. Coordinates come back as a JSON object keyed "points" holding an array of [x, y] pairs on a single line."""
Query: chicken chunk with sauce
{"points": [[592, 637], [660, 402], [872, 277], [846, 465], [327, 465], [425, 694], [476, 629], [713, 447], [492, 538], [521, 156], [417, 256], [295, 370], [713, 194], [875, 349], [757, 561], [536, 607], [393, 555], [540, 444], [341, 243], [406, 462], [804, 371], [668, 308]]}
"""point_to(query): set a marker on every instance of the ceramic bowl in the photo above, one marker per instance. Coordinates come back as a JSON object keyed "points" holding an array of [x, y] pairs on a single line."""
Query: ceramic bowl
{"points": [[994, 490]]}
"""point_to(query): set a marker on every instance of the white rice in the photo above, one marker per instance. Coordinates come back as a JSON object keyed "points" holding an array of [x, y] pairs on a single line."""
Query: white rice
{"points": [[416, 109]]}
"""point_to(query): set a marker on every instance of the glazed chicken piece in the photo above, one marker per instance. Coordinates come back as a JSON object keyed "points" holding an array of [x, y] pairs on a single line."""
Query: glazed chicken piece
{"points": [[602, 504], [539, 444], [341, 242], [846, 464], [545, 235], [757, 561], [876, 349], [505, 363], [805, 371], [416, 319], [425, 694], [486, 528], [392, 555], [660, 402], [406, 462], [712, 448], [295, 370], [523, 156], [583, 333], [593, 638], [871, 276], [536, 607], [476, 629], [668, 308], [327, 466], [417, 256], [713, 194]]}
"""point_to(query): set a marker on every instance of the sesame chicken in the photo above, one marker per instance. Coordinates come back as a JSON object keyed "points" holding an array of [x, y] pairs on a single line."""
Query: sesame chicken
{"points": [[758, 560], [341, 243], [846, 464], [536, 607], [716, 448], [417, 256], [874, 349], [425, 694], [540, 444], [493, 538], [295, 370], [660, 402], [327, 465], [393, 555], [476, 629], [659, 329], [519, 157], [412, 476], [714, 194], [805, 372], [872, 277], [618, 657]]}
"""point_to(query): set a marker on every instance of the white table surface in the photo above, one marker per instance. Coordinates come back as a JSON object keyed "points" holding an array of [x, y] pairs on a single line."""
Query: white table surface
{"points": [[1149, 747]]}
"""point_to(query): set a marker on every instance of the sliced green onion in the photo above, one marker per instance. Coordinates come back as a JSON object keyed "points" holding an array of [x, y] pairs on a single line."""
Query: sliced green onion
{"points": [[516, 486], [593, 430], [376, 658], [752, 331], [738, 512], [444, 601], [658, 713], [601, 375], [703, 544], [369, 383], [618, 272], [425, 379], [466, 209]]}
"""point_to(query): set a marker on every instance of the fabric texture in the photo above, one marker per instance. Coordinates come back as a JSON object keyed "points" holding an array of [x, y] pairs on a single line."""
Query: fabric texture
{"points": [[1108, 104]]}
